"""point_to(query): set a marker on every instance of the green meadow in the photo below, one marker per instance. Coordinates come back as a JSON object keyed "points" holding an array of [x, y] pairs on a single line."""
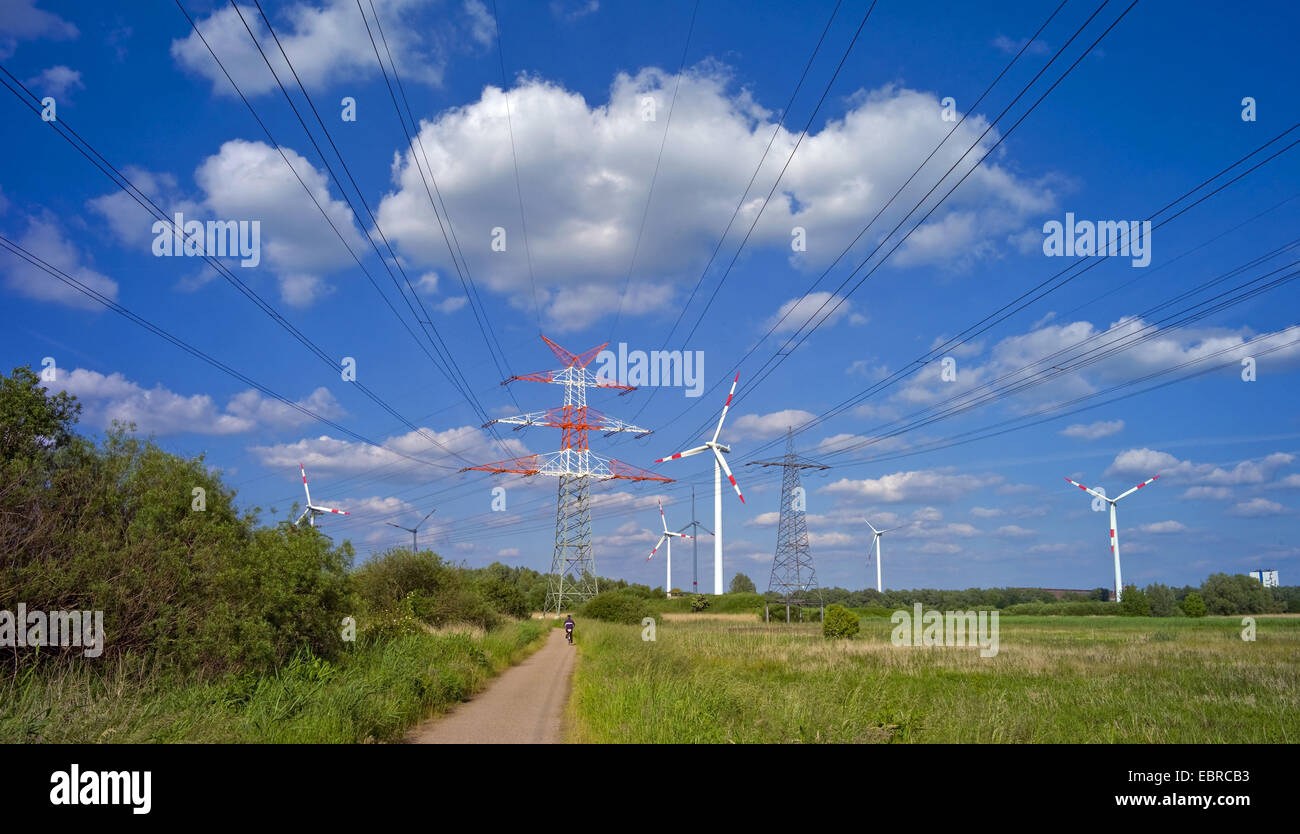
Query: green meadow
{"points": [[727, 678]]}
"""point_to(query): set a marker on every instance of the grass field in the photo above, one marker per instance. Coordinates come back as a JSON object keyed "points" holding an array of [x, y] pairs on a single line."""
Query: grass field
{"points": [[1055, 679], [373, 694]]}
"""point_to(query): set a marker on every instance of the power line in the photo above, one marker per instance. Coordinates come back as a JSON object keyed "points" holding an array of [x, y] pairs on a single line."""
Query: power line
{"points": [[461, 384], [645, 211], [198, 353], [1020, 303], [514, 156], [65, 131], [449, 227], [956, 126]]}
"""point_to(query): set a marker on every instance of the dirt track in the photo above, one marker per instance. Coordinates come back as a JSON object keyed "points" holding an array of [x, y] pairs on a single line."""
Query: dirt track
{"points": [[525, 705]]}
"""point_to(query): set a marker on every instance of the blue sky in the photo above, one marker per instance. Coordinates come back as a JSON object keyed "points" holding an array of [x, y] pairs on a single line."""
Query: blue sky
{"points": [[1148, 115]]}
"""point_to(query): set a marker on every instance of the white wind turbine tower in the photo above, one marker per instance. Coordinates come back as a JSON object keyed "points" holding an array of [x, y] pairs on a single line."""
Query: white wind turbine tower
{"points": [[879, 534], [1114, 530], [719, 466], [312, 510], [668, 536], [415, 547]]}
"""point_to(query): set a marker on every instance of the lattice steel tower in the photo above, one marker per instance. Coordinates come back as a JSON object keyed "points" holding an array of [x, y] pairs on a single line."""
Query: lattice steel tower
{"points": [[793, 576], [573, 567]]}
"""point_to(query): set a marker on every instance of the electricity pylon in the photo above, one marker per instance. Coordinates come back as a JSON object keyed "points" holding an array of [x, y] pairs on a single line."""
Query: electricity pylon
{"points": [[573, 567], [793, 576]]}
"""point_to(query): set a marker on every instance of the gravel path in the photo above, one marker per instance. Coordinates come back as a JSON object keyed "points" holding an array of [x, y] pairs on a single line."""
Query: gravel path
{"points": [[524, 705]]}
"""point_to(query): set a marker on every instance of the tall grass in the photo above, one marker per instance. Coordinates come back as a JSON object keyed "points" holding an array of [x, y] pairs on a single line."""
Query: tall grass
{"points": [[372, 693], [1055, 679]]}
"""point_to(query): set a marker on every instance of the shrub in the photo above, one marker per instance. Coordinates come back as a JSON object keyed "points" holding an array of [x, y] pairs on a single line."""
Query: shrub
{"points": [[504, 597], [840, 622], [616, 607], [1193, 605], [1134, 603], [439, 594], [699, 602]]}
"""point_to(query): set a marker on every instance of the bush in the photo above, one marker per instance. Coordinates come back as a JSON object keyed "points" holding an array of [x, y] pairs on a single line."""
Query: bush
{"points": [[700, 603], [1134, 603], [504, 598], [1193, 605], [616, 607], [840, 622], [439, 594]]}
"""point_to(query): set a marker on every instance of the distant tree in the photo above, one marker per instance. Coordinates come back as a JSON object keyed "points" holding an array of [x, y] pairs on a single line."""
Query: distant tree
{"points": [[1193, 605], [1162, 600], [31, 421], [1134, 603], [1240, 594], [1099, 594], [741, 584]]}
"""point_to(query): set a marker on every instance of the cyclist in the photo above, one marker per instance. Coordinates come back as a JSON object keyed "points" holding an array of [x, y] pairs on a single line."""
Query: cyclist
{"points": [[568, 628]]}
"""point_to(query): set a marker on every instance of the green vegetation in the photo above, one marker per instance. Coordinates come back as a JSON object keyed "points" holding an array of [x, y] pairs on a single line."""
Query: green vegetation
{"points": [[1057, 680], [1194, 606], [840, 622], [218, 628], [616, 607], [1134, 603], [1063, 609], [741, 584], [373, 693]]}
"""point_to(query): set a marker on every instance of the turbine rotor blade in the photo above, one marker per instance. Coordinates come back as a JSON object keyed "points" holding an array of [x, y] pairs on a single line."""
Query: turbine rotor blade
{"points": [[685, 454], [722, 462], [662, 539], [304, 483], [1085, 489], [1136, 488], [662, 519], [726, 406]]}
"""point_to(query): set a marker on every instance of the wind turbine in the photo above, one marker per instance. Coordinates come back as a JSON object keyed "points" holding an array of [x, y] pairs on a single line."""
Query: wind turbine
{"points": [[412, 530], [312, 510], [879, 534], [719, 466], [695, 527], [1114, 530], [668, 536]]}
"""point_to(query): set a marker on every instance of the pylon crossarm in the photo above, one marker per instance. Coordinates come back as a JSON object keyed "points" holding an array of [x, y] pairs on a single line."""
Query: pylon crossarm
{"points": [[527, 465], [569, 358], [628, 472]]}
